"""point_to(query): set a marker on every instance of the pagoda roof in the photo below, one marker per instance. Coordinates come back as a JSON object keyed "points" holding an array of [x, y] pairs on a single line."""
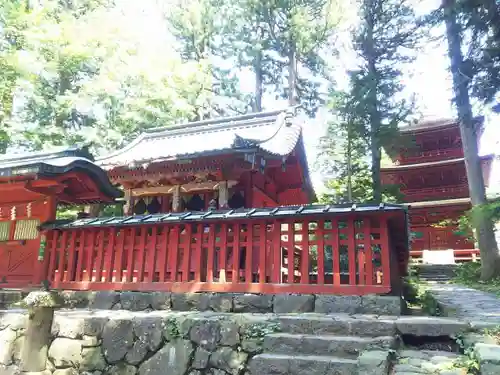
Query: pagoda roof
{"points": [[434, 124], [56, 163], [432, 163], [275, 132]]}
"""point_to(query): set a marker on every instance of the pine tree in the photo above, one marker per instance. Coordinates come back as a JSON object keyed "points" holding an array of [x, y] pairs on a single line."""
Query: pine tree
{"points": [[482, 223], [388, 30]]}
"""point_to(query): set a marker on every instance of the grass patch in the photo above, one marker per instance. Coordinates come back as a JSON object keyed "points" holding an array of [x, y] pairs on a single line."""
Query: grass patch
{"points": [[469, 274], [417, 295]]}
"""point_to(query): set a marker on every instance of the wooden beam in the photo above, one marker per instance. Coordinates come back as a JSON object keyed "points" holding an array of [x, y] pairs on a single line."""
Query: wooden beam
{"points": [[186, 188]]}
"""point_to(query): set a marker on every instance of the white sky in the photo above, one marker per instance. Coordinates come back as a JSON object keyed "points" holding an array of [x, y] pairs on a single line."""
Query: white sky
{"points": [[429, 80]]}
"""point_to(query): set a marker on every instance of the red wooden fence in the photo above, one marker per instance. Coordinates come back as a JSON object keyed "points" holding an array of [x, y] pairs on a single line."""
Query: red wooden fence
{"points": [[345, 254]]}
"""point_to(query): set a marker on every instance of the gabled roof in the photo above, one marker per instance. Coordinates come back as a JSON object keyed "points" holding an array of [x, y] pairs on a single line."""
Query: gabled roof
{"points": [[435, 124], [275, 132], [56, 163]]}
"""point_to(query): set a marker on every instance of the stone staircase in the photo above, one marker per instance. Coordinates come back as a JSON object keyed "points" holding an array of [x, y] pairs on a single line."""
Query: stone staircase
{"points": [[330, 344], [436, 272]]}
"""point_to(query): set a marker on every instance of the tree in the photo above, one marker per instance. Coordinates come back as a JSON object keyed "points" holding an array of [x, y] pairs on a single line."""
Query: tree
{"points": [[482, 223], [388, 31]]}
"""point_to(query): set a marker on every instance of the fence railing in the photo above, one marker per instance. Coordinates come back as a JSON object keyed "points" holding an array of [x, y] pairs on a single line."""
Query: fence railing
{"points": [[460, 255], [343, 254]]}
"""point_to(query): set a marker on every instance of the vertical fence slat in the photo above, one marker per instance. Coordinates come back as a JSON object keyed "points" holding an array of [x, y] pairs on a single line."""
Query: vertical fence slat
{"points": [[304, 269], [248, 254], [223, 253], [110, 255], [368, 252], [351, 250], [163, 255], [236, 253], [141, 253], [70, 274], [130, 256], [276, 251], [262, 269], [90, 255], [320, 240], [198, 251], [62, 255], [118, 264], [100, 256], [80, 256], [173, 251], [335, 252], [210, 254], [53, 251], [152, 254], [186, 254], [291, 252], [384, 237]]}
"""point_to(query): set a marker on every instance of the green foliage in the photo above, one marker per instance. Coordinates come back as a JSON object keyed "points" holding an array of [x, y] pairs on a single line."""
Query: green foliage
{"points": [[257, 331], [469, 274]]}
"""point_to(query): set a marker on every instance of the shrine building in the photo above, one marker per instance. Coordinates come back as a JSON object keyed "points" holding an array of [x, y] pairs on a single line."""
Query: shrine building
{"points": [[429, 169], [220, 205]]}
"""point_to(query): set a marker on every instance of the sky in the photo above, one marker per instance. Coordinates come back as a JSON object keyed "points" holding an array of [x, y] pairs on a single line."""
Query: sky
{"points": [[429, 78]]}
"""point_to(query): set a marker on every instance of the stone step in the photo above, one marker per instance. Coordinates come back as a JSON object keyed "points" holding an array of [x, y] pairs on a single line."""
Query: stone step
{"points": [[282, 364], [338, 324], [342, 346]]}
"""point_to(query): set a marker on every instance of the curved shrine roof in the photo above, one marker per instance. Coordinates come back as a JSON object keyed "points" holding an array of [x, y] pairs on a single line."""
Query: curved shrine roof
{"points": [[274, 132], [57, 163]]}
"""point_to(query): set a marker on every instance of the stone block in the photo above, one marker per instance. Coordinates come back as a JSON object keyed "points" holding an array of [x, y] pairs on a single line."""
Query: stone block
{"points": [[94, 325], [190, 301], [7, 339], [64, 352], [201, 357], [161, 301], [489, 358], [148, 330], [229, 360], [117, 339], [229, 332], [221, 302], [172, 359], [253, 303], [33, 356], [327, 304], [75, 299], [206, 334], [14, 321], [43, 299], [135, 301], [92, 359], [71, 327], [66, 371], [373, 362], [103, 300], [430, 326], [122, 369], [381, 305], [293, 303]]}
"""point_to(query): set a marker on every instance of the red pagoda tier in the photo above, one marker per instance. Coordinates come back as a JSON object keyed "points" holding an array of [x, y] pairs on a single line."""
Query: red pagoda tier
{"points": [[430, 171], [250, 161]]}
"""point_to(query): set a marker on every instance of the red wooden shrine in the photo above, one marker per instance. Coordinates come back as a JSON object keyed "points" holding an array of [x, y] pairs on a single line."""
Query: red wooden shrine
{"points": [[31, 186], [221, 206], [255, 160], [430, 171]]}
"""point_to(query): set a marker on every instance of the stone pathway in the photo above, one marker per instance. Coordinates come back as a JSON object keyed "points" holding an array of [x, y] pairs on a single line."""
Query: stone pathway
{"points": [[427, 362], [467, 303]]}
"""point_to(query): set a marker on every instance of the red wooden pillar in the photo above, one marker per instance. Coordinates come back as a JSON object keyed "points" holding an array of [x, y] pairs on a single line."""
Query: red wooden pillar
{"points": [[41, 266]]}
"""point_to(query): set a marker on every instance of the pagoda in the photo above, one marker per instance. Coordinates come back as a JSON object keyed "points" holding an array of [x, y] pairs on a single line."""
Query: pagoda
{"points": [[250, 161], [429, 169]]}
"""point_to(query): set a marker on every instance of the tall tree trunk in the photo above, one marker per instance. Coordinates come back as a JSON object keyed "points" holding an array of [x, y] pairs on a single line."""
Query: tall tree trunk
{"points": [[292, 74], [258, 82], [482, 223], [374, 114]]}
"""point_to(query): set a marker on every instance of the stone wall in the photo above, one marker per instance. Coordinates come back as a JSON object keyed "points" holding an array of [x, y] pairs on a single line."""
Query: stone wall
{"points": [[126, 343], [233, 302]]}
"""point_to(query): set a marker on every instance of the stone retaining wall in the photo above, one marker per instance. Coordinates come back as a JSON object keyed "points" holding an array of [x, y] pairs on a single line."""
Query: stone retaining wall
{"points": [[125, 343], [233, 302]]}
